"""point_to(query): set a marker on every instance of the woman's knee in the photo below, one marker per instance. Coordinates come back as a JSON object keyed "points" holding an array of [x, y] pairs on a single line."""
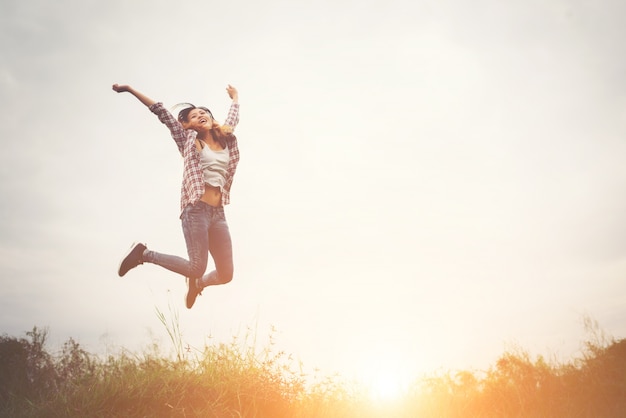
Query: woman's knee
{"points": [[225, 276]]}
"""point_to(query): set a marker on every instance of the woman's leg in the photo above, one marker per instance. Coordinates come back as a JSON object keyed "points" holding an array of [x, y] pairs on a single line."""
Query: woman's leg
{"points": [[221, 249], [195, 221]]}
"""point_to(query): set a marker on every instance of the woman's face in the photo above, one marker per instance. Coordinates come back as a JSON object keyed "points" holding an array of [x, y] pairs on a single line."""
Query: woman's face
{"points": [[198, 119]]}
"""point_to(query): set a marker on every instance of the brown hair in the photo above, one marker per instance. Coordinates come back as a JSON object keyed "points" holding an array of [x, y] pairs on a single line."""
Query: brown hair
{"points": [[218, 133]]}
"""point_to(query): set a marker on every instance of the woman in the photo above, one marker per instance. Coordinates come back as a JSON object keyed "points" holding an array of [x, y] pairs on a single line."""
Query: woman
{"points": [[210, 155]]}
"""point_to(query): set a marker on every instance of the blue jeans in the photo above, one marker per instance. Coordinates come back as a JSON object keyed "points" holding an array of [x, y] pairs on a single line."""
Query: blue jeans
{"points": [[206, 231]]}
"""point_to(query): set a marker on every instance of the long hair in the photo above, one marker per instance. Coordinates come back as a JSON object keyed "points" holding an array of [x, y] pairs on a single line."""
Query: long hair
{"points": [[218, 133]]}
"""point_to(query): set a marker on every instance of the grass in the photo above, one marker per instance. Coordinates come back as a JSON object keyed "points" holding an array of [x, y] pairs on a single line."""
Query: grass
{"points": [[237, 380]]}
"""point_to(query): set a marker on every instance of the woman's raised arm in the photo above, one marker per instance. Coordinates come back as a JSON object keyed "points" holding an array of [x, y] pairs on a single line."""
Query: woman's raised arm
{"points": [[122, 88], [176, 129]]}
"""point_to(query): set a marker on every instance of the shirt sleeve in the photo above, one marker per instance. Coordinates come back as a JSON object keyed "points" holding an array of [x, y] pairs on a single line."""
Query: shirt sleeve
{"points": [[176, 129], [233, 116]]}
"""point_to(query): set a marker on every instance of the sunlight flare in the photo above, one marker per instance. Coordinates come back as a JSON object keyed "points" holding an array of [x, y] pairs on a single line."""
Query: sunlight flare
{"points": [[384, 375]]}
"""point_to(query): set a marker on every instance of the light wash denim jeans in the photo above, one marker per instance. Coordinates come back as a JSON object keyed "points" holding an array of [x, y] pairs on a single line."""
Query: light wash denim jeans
{"points": [[206, 231]]}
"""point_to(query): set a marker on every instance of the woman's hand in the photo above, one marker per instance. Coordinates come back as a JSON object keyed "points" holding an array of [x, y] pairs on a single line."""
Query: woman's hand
{"points": [[232, 93], [121, 88]]}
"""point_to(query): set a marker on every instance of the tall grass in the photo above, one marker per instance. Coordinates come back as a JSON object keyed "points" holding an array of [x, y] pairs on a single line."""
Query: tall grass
{"points": [[238, 380]]}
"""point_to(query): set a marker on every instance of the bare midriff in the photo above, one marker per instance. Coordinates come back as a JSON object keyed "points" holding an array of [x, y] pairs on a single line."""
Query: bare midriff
{"points": [[212, 196]]}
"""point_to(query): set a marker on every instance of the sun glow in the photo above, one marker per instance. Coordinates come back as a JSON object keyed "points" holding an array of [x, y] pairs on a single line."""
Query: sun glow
{"points": [[386, 387], [384, 377]]}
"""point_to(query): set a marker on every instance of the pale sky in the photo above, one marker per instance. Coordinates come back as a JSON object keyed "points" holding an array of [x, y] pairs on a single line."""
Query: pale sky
{"points": [[422, 184]]}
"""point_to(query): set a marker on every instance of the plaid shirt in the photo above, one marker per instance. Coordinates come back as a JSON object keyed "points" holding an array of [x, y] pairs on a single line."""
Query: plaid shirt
{"points": [[193, 181]]}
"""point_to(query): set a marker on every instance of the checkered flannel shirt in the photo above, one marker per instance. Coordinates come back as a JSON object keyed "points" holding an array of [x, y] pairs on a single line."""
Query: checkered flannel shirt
{"points": [[193, 181]]}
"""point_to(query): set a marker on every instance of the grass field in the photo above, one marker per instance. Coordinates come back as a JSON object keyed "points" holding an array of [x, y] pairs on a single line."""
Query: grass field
{"points": [[236, 380]]}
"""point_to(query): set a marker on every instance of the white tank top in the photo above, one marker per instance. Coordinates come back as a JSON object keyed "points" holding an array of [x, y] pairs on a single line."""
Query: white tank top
{"points": [[214, 165]]}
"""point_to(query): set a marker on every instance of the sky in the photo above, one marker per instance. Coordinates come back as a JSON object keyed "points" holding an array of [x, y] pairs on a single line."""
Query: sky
{"points": [[422, 184]]}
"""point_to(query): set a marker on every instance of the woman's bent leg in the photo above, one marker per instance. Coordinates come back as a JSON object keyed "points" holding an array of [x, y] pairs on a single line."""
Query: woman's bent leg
{"points": [[195, 222], [221, 249]]}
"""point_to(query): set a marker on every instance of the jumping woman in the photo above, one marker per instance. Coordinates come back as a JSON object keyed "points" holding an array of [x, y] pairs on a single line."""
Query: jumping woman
{"points": [[210, 158]]}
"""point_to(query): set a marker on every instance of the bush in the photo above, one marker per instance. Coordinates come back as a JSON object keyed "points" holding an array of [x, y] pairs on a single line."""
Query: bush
{"points": [[234, 380]]}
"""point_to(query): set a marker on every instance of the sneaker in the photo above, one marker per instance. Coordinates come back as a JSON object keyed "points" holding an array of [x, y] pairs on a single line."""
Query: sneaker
{"points": [[192, 292], [132, 258]]}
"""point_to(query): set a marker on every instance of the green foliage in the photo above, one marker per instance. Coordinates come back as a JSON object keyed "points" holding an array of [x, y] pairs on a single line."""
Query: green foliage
{"points": [[237, 380]]}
